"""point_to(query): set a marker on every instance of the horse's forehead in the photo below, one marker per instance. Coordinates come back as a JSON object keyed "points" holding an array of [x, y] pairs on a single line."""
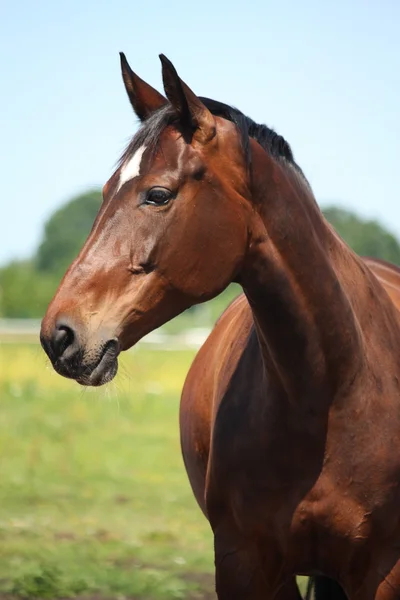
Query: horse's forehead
{"points": [[138, 162], [172, 148], [172, 154], [132, 167]]}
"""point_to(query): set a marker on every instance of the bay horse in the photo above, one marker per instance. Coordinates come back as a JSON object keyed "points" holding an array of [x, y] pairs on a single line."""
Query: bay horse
{"points": [[290, 414]]}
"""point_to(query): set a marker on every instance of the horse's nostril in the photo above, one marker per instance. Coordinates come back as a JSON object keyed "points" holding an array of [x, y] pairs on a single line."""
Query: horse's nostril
{"points": [[62, 338]]}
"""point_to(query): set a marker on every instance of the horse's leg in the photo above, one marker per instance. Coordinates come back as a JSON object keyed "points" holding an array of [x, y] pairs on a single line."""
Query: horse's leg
{"points": [[239, 574], [387, 592], [380, 582], [388, 587], [289, 591]]}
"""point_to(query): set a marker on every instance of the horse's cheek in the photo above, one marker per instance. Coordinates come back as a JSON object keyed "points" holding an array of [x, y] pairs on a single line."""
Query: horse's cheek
{"points": [[204, 263]]}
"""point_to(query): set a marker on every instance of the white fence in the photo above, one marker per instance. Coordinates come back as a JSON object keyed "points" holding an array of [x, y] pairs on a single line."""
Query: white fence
{"points": [[27, 331]]}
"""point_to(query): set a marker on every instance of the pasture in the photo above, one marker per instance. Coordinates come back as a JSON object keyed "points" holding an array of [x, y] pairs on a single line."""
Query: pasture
{"points": [[94, 496]]}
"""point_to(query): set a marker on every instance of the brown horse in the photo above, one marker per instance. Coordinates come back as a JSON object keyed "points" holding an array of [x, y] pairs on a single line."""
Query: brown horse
{"points": [[291, 410]]}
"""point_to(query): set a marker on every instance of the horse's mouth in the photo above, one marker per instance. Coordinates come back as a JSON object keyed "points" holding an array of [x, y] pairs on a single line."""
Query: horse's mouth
{"points": [[104, 371]]}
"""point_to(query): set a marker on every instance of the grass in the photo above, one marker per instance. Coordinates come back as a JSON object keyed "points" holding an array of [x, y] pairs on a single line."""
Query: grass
{"points": [[95, 501], [94, 496]]}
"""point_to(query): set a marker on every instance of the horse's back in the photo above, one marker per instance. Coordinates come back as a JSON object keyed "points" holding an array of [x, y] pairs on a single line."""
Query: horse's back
{"points": [[388, 276], [204, 387]]}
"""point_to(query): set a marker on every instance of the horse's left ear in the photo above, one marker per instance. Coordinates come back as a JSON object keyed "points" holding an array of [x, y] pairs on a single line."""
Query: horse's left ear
{"points": [[194, 116], [144, 98]]}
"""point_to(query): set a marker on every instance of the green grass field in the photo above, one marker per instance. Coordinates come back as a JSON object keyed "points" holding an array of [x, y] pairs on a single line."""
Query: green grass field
{"points": [[95, 501]]}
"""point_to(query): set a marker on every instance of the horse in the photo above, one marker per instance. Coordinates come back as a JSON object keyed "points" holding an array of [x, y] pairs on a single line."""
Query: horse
{"points": [[290, 411]]}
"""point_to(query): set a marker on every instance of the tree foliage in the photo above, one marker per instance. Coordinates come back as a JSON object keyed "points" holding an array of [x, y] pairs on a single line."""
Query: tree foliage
{"points": [[66, 231], [24, 293], [26, 287]]}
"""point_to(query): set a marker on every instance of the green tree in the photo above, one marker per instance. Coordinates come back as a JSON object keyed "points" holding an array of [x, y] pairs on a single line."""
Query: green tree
{"points": [[367, 238], [24, 293], [66, 231]]}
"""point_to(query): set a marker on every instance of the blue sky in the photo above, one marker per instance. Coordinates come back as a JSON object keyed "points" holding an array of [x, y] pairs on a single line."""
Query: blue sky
{"points": [[326, 75]]}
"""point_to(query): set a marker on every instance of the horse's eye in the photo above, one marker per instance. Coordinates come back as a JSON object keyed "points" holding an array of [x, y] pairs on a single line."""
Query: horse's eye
{"points": [[158, 196]]}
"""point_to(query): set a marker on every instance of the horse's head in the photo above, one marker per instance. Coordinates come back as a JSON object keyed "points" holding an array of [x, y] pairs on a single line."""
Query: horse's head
{"points": [[171, 232]]}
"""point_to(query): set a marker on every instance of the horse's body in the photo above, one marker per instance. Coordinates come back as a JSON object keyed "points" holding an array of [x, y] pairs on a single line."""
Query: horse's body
{"points": [[232, 353], [290, 415], [223, 351]]}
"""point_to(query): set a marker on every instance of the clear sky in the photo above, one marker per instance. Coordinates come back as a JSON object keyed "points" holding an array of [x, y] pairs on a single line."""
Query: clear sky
{"points": [[326, 75]]}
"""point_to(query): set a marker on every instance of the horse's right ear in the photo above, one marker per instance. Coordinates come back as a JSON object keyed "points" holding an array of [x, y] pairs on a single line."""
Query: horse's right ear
{"points": [[144, 98]]}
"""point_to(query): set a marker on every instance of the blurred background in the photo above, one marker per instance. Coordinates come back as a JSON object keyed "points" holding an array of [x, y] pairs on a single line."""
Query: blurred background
{"points": [[94, 499]]}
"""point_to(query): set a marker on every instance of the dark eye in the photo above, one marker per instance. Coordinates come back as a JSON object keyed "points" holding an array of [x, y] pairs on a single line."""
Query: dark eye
{"points": [[158, 196]]}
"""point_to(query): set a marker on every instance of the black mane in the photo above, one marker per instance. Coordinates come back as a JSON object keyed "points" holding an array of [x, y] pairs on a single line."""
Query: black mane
{"points": [[150, 131], [268, 139]]}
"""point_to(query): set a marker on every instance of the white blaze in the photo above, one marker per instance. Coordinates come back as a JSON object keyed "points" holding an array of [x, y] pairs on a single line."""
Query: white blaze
{"points": [[131, 168]]}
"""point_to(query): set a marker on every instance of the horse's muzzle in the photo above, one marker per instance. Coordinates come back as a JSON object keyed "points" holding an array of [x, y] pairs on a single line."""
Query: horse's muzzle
{"points": [[72, 358]]}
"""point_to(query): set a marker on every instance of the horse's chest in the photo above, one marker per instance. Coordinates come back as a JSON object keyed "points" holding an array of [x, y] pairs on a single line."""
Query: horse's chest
{"points": [[327, 514], [330, 481], [322, 525], [302, 498]]}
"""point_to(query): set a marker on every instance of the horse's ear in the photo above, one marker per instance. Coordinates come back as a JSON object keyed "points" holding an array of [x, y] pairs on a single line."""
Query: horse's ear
{"points": [[144, 98], [193, 114]]}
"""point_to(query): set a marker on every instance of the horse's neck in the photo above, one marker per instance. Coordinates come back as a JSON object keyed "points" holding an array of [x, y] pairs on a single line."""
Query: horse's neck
{"points": [[293, 280]]}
